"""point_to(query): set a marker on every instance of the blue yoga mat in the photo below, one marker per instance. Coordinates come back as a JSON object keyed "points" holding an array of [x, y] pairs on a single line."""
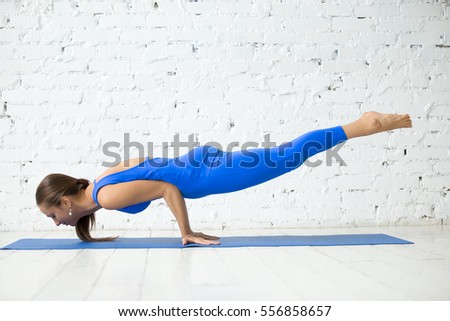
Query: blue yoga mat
{"points": [[239, 241]]}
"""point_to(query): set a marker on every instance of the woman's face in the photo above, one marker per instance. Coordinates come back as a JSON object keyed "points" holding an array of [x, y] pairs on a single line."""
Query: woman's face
{"points": [[58, 215]]}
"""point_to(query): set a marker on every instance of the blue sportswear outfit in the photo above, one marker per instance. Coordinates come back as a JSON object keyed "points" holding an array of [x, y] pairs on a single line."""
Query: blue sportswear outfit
{"points": [[207, 170]]}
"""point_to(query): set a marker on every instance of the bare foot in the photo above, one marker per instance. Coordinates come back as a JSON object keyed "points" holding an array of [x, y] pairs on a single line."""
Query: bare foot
{"points": [[378, 122], [372, 122]]}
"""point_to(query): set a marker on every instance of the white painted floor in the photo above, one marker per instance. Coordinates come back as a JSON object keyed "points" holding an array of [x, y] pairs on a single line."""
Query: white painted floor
{"points": [[381, 272]]}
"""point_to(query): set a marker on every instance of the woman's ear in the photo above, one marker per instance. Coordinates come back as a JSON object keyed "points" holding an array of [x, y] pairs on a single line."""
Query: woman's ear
{"points": [[65, 202]]}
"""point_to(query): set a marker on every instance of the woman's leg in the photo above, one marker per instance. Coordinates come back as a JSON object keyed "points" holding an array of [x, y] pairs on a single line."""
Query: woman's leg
{"points": [[237, 170], [233, 171]]}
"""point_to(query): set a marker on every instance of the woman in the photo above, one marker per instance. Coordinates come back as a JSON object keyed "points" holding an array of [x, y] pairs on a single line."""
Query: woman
{"points": [[71, 201]]}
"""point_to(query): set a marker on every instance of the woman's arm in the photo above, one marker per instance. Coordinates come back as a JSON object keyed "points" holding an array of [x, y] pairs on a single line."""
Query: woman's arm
{"points": [[125, 194], [177, 205]]}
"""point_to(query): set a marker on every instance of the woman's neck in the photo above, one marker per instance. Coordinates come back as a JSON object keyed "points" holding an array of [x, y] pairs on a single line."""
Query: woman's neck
{"points": [[84, 204]]}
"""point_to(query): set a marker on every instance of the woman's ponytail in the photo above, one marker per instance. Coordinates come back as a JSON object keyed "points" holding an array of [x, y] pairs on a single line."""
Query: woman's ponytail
{"points": [[84, 227]]}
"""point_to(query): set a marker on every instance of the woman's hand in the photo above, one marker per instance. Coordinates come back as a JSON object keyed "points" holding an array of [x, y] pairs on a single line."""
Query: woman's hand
{"points": [[199, 238], [177, 205]]}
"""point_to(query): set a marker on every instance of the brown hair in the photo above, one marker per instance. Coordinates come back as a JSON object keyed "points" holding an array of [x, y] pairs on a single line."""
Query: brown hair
{"points": [[53, 187]]}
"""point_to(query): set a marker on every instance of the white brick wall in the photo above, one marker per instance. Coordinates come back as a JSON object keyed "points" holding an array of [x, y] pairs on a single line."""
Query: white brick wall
{"points": [[77, 74]]}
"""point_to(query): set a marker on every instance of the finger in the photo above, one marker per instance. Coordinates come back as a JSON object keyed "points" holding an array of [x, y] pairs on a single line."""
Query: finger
{"points": [[210, 237], [209, 242], [200, 234], [202, 241], [206, 242]]}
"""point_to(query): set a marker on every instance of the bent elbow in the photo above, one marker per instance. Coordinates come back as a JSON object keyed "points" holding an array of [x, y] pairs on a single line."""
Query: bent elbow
{"points": [[170, 190]]}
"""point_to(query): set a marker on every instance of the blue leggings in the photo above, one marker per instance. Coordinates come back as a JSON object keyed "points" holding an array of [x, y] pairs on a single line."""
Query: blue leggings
{"points": [[212, 171]]}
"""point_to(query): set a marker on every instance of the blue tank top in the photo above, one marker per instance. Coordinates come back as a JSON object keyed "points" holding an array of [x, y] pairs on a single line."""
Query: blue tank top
{"points": [[181, 172], [127, 175]]}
